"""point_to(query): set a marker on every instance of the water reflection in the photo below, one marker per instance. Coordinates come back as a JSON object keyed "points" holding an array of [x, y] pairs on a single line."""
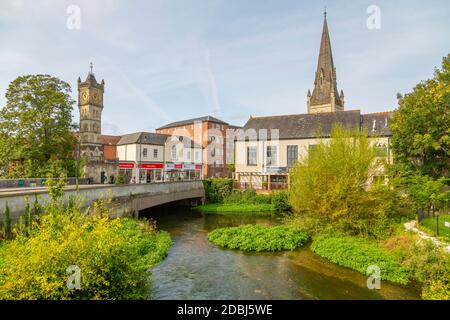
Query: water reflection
{"points": [[196, 269]]}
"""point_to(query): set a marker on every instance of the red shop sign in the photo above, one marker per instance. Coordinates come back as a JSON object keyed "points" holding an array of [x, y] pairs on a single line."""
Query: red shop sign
{"points": [[178, 166], [126, 165], [198, 167], [152, 165]]}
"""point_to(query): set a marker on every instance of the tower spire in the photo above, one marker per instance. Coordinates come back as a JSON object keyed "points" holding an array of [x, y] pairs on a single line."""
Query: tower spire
{"points": [[325, 96], [91, 66]]}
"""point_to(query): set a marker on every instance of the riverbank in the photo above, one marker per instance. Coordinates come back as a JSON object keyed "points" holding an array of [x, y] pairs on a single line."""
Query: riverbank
{"points": [[299, 274], [232, 208], [400, 259]]}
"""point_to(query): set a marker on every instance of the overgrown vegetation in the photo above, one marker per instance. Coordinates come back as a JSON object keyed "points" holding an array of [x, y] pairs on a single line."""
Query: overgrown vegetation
{"points": [[358, 253], [258, 238], [217, 189], [421, 127], [222, 198], [331, 189]]}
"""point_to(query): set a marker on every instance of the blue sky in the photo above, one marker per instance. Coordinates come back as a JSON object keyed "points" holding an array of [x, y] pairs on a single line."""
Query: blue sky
{"points": [[168, 60]]}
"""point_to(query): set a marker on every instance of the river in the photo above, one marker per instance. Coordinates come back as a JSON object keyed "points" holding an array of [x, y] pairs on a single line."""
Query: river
{"points": [[197, 269]]}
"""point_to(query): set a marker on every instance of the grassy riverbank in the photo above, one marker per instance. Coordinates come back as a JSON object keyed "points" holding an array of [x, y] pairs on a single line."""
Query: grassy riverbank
{"points": [[258, 238], [359, 253], [230, 208], [429, 226], [222, 199], [401, 258]]}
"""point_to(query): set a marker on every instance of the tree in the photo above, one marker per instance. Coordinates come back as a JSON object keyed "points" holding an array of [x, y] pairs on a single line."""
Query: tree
{"points": [[421, 126], [35, 125], [428, 193], [331, 187]]}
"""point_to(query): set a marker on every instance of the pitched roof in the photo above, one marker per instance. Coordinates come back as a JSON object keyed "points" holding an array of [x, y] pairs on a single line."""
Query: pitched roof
{"points": [[377, 123], [191, 121], [109, 140], [301, 126], [187, 142], [144, 138]]}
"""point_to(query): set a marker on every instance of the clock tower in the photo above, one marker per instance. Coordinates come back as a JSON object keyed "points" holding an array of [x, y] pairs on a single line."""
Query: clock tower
{"points": [[90, 105]]}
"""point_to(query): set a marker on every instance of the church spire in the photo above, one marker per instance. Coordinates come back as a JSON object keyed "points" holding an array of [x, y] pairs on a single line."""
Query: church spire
{"points": [[325, 96]]}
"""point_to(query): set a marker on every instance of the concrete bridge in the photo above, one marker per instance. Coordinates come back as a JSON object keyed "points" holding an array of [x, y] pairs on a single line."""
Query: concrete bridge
{"points": [[126, 200]]}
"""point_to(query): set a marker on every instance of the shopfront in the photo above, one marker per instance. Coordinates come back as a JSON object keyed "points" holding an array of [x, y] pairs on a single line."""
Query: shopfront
{"points": [[192, 171], [126, 171], [151, 172], [174, 172]]}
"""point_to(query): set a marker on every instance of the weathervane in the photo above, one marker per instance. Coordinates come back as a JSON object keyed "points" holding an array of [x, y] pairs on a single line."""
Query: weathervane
{"points": [[92, 66], [325, 11]]}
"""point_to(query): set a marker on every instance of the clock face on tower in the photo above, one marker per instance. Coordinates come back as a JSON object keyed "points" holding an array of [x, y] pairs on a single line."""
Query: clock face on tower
{"points": [[96, 97], [84, 97]]}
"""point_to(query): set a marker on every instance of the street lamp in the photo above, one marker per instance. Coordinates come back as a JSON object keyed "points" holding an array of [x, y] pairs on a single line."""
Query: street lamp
{"points": [[437, 223], [78, 160]]}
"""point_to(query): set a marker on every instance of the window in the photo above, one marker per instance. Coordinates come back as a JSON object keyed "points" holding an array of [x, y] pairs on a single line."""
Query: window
{"points": [[271, 156], [155, 153], [292, 155], [251, 156], [188, 155], [144, 152], [174, 152], [197, 156]]}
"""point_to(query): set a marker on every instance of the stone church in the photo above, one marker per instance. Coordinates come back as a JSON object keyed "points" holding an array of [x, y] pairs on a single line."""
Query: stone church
{"points": [[264, 162], [92, 143]]}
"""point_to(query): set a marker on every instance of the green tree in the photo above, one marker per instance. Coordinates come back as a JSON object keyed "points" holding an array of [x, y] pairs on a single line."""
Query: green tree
{"points": [[35, 125], [426, 192], [421, 126], [331, 191]]}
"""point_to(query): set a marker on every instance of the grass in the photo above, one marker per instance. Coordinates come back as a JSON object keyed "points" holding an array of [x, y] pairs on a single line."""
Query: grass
{"points": [[429, 225], [233, 208], [359, 253], [258, 238]]}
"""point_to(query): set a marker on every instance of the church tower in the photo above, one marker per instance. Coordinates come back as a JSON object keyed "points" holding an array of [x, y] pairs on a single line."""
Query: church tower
{"points": [[325, 96], [90, 105]]}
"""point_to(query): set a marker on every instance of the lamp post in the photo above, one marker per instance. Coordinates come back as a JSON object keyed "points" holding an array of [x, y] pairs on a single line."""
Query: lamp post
{"points": [[78, 161], [437, 223]]}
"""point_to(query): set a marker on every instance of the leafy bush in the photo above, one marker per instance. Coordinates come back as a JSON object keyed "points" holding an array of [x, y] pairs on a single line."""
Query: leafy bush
{"points": [[358, 253], [247, 196], [329, 188], [119, 180], [217, 189], [6, 224], [431, 266], [114, 256], [280, 201], [258, 238]]}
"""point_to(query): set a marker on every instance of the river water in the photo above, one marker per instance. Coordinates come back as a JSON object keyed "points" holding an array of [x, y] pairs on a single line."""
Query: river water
{"points": [[197, 269]]}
